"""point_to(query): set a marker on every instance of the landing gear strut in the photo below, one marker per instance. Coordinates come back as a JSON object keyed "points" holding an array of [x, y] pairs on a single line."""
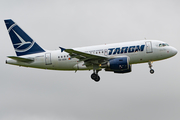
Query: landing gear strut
{"points": [[150, 66], [95, 76]]}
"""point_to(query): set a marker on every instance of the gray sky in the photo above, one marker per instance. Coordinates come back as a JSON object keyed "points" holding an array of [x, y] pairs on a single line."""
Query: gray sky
{"points": [[34, 94]]}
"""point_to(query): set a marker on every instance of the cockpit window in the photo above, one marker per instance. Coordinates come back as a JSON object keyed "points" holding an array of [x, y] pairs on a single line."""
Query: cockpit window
{"points": [[163, 44]]}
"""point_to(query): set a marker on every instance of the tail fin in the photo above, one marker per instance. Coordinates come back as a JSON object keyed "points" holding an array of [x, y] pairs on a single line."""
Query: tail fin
{"points": [[22, 43]]}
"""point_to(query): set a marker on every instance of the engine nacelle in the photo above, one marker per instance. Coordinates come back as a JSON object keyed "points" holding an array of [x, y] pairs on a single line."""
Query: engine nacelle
{"points": [[118, 65], [124, 71]]}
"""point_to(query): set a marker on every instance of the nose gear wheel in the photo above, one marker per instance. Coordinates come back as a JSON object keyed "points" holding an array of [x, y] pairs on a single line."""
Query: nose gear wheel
{"points": [[150, 66]]}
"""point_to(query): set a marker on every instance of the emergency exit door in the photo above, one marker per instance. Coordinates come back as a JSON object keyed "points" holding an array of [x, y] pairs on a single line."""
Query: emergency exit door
{"points": [[48, 58], [149, 47]]}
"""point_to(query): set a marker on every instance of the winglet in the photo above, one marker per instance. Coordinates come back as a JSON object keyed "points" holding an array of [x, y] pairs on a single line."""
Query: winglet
{"points": [[62, 49]]}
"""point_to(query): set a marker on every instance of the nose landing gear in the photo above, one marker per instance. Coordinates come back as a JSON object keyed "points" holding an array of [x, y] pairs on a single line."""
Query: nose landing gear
{"points": [[150, 66]]}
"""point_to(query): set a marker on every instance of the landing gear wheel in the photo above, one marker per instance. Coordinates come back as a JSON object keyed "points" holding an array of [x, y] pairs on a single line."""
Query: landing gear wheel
{"points": [[95, 77], [151, 71], [150, 66]]}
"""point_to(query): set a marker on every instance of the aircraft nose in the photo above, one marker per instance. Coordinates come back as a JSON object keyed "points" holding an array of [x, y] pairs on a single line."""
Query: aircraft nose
{"points": [[174, 51]]}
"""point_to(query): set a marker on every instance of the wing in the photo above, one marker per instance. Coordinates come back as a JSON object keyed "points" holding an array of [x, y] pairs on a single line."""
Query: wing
{"points": [[86, 57]]}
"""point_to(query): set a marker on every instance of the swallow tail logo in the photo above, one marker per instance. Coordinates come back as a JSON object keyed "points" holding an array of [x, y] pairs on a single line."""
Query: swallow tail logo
{"points": [[23, 44]]}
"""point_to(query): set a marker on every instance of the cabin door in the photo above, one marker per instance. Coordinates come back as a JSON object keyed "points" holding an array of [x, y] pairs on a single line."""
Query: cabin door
{"points": [[48, 59], [149, 47], [105, 52]]}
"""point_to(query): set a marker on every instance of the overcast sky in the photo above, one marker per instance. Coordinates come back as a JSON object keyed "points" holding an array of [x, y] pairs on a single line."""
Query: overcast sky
{"points": [[34, 94]]}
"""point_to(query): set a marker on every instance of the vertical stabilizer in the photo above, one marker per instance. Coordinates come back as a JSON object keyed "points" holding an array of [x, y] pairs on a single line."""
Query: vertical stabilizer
{"points": [[23, 44]]}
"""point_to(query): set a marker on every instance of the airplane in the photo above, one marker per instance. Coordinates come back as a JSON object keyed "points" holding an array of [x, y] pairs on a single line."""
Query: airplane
{"points": [[116, 57]]}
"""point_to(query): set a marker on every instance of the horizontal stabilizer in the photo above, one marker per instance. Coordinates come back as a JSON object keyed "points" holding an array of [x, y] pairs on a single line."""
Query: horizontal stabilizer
{"points": [[21, 59]]}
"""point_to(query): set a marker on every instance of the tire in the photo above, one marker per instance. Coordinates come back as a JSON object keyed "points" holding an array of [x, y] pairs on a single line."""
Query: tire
{"points": [[151, 71], [97, 79], [93, 76]]}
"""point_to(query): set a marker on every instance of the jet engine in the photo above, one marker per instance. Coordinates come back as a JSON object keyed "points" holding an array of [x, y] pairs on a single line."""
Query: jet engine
{"points": [[117, 65]]}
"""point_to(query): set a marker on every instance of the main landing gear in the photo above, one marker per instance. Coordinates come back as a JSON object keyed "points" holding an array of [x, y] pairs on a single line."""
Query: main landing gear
{"points": [[95, 76], [150, 66]]}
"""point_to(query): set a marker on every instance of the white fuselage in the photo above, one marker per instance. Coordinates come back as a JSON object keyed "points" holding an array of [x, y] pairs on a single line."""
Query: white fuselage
{"points": [[138, 52]]}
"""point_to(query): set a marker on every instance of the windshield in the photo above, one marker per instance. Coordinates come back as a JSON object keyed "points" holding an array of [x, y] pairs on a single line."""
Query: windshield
{"points": [[163, 44]]}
